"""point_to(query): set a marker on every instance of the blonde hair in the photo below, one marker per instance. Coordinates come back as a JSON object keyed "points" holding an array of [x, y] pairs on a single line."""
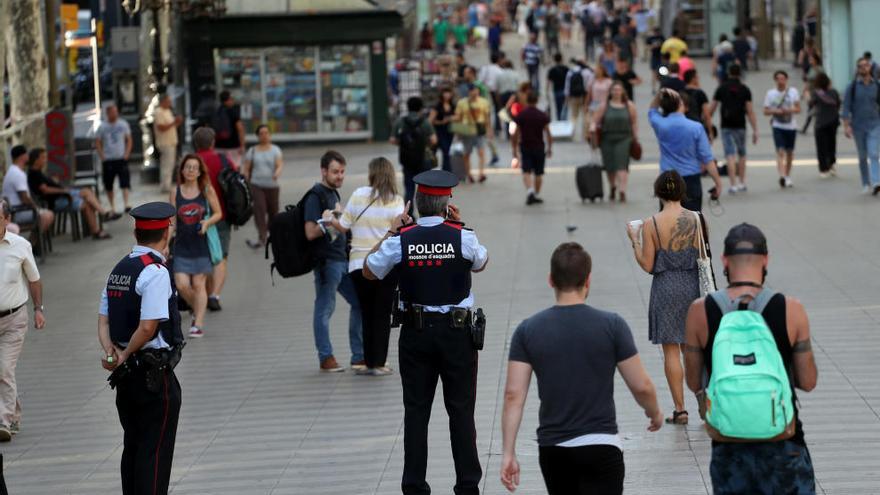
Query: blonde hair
{"points": [[382, 179]]}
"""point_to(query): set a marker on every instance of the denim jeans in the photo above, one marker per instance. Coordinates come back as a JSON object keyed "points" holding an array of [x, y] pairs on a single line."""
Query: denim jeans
{"points": [[409, 189], [333, 276], [868, 145], [559, 99]]}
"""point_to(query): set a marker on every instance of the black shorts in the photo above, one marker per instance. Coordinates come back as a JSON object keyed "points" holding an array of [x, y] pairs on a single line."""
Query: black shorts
{"points": [[533, 161], [587, 470], [114, 168]]}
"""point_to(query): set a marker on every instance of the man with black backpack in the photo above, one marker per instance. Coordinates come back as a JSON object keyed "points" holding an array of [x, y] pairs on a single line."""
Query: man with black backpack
{"points": [[579, 78], [413, 135], [328, 247], [235, 203], [746, 350]]}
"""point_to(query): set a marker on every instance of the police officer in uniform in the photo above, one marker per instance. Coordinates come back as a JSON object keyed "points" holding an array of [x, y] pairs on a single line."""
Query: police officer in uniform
{"points": [[440, 333], [139, 331]]}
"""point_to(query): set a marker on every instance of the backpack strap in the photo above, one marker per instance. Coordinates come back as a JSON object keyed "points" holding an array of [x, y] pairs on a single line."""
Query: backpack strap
{"points": [[757, 304]]}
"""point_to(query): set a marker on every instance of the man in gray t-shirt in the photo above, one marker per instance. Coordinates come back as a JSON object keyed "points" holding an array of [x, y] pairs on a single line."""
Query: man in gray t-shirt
{"points": [[574, 350], [113, 143]]}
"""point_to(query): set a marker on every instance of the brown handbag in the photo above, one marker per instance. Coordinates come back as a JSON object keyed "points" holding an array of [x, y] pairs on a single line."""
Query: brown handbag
{"points": [[635, 149], [596, 138]]}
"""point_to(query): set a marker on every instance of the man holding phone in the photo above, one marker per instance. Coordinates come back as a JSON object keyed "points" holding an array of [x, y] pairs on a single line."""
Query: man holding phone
{"points": [[440, 333]]}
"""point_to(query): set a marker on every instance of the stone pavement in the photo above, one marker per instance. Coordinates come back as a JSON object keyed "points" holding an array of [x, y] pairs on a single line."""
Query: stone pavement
{"points": [[258, 417]]}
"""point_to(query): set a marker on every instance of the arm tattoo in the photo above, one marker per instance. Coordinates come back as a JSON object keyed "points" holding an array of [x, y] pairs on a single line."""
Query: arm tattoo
{"points": [[683, 233], [693, 348], [802, 346]]}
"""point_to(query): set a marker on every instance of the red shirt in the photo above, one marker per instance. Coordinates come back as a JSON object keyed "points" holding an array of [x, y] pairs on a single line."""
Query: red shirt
{"points": [[215, 165]]}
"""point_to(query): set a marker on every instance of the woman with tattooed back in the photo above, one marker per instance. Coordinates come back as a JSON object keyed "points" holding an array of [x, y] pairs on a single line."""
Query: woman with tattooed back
{"points": [[666, 246]]}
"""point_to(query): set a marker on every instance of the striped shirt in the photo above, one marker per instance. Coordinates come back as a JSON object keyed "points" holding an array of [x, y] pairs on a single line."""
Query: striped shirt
{"points": [[371, 227]]}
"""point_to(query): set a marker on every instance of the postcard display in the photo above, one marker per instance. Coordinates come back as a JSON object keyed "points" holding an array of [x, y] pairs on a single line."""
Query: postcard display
{"points": [[300, 91]]}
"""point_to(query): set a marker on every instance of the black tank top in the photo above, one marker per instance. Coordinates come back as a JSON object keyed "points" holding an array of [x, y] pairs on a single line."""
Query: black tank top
{"points": [[774, 315]]}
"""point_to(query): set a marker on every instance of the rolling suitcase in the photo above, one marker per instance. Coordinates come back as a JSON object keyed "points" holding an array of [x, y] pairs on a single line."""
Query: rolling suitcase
{"points": [[456, 161], [589, 182]]}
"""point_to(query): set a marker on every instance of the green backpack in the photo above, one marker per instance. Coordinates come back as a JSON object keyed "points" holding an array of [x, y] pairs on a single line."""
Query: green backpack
{"points": [[749, 396]]}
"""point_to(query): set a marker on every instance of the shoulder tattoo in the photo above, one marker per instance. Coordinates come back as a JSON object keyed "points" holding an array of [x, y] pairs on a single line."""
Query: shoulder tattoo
{"points": [[802, 346]]}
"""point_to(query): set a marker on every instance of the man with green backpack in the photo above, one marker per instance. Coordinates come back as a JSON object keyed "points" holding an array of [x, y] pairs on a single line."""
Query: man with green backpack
{"points": [[747, 349]]}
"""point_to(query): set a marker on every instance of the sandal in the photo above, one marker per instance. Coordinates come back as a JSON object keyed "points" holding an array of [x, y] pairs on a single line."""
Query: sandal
{"points": [[470, 179], [623, 196], [678, 418], [100, 236], [482, 179], [613, 195]]}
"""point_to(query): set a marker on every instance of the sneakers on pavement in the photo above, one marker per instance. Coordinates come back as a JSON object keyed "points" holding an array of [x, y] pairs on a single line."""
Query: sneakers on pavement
{"points": [[782, 182], [732, 190], [253, 244], [359, 365], [329, 365], [14, 428], [531, 199], [214, 303], [788, 182], [742, 188], [5, 433], [195, 332], [381, 371], [876, 190], [866, 189]]}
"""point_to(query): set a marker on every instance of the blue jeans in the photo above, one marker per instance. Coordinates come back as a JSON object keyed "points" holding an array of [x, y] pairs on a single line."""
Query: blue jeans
{"points": [[868, 146], [444, 138], [329, 278], [561, 110], [409, 190]]}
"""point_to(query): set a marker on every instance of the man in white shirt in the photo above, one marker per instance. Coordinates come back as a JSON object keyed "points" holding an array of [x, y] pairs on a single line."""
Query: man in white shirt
{"points": [[19, 276], [782, 103], [15, 189], [489, 77], [165, 126]]}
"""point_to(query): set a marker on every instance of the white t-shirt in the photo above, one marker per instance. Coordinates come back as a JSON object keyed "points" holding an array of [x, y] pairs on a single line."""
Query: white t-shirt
{"points": [[782, 99], [371, 227], [14, 182]]}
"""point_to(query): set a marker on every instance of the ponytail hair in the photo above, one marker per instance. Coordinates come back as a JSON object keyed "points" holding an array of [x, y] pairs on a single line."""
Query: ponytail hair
{"points": [[670, 187]]}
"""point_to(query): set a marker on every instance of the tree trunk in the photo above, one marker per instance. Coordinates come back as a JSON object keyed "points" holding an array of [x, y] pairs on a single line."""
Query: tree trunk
{"points": [[28, 70], [4, 21]]}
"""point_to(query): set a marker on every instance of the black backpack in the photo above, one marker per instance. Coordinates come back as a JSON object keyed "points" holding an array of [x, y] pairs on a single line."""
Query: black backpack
{"points": [[413, 144], [576, 85], [292, 254], [236, 194]]}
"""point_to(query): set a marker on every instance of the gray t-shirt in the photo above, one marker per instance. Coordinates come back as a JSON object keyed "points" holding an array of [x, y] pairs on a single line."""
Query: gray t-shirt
{"points": [[112, 137], [574, 351], [263, 165]]}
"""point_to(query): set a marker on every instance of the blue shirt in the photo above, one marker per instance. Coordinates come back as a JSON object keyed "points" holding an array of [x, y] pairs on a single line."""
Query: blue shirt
{"points": [[863, 112], [154, 287], [684, 146], [389, 254]]}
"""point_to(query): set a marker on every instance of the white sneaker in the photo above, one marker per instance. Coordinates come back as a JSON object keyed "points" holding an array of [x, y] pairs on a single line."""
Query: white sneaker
{"points": [[866, 189], [742, 188], [824, 175], [732, 190], [833, 171], [788, 182]]}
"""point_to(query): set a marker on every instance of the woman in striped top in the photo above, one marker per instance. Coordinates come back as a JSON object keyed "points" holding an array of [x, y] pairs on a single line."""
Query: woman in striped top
{"points": [[369, 214]]}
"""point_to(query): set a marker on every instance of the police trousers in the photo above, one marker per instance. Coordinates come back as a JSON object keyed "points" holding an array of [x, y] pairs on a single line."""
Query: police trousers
{"points": [[149, 420], [438, 351]]}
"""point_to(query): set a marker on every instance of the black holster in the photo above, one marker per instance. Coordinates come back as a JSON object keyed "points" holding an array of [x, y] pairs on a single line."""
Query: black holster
{"points": [[478, 329]]}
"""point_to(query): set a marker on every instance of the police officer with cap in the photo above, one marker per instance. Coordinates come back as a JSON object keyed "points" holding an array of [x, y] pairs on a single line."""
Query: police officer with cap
{"points": [[139, 331], [440, 334]]}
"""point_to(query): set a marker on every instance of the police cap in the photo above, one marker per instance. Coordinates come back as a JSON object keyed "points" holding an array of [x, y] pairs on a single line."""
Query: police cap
{"points": [[153, 216], [436, 182]]}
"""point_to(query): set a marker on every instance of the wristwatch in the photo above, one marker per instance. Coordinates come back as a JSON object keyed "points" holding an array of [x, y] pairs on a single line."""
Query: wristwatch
{"points": [[39, 308]]}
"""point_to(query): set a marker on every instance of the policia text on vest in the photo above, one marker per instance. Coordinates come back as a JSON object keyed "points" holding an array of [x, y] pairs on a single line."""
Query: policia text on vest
{"points": [[139, 330], [440, 331]]}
